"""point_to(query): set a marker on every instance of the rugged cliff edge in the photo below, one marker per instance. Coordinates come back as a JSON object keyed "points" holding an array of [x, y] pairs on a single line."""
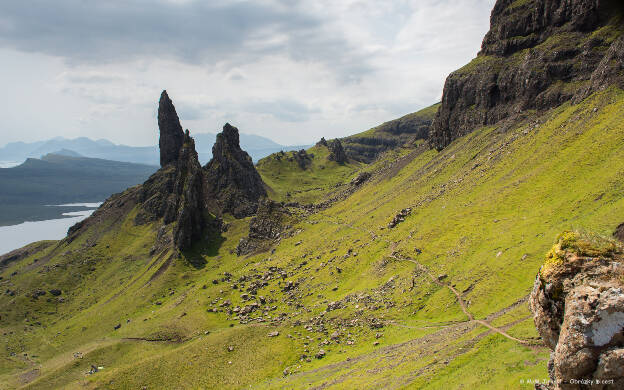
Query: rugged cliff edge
{"points": [[538, 54], [578, 307]]}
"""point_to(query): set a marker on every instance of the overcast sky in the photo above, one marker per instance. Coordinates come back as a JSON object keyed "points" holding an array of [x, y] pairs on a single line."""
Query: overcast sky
{"points": [[290, 70]]}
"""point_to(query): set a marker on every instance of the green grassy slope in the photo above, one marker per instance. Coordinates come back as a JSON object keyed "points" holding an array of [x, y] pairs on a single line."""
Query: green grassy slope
{"points": [[369, 145], [485, 210], [289, 182]]}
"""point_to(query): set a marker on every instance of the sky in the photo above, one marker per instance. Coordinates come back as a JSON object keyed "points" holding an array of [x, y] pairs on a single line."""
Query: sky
{"points": [[290, 70]]}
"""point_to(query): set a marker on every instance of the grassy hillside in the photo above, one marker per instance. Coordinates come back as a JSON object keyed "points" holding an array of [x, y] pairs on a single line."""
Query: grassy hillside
{"points": [[437, 302], [404, 131], [289, 182]]}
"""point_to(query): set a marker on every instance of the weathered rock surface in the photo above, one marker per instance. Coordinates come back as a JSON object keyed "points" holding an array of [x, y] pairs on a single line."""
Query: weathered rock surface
{"points": [[176, 194], [578, 307], [399, 217], [264, 228], [231, 176], [337, 152], [619, 232], [171, 134], [538, 54]]}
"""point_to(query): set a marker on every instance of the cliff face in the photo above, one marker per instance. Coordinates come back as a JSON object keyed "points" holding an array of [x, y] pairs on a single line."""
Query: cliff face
{"points": [[538, 54], [578, 307], [233, 181]]}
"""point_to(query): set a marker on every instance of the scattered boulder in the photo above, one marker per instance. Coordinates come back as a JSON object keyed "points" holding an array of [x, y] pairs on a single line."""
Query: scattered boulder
{"points": [[55, 292], [290, 285], [578, 308], [360, 179], [322, 142], [273, 334], [333, 306], [619, 232], [264, 228], [400, 217]]}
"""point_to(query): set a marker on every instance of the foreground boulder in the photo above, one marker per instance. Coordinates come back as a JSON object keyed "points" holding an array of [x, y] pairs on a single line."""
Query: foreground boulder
{"points": [[233, 181], [578, 307]]}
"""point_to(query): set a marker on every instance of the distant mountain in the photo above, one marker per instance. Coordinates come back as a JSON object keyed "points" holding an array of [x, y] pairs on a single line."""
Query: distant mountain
{"points": [[67, 153], [25, 190], [256, 146]]}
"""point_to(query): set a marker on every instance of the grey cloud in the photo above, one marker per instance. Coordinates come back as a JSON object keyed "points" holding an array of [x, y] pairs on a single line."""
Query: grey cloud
{"points": [[283, 110], [195, 32]]}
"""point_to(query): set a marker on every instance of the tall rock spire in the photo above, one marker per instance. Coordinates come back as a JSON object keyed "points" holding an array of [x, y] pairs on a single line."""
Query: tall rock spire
{"points": [[171, 134], [231, 176]]}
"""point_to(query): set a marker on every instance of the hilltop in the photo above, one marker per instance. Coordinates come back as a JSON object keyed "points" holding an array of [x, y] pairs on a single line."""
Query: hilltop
{"points": [[424, 261]]}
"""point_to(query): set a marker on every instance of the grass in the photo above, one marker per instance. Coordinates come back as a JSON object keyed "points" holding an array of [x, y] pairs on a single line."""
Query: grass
{"points": [[289, 182], [485, 211]]}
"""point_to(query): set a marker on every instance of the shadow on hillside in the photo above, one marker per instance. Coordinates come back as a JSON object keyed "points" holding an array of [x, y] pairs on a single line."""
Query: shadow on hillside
{"points": [[196, 256]]}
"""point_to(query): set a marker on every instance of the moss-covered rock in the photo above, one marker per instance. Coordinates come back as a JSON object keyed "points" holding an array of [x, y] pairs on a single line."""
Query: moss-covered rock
{"points": [[578, 307]]}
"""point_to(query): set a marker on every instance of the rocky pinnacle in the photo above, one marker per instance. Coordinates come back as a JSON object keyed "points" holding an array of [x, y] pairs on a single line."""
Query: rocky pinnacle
{"points": [[231, 176], [171, 134]]}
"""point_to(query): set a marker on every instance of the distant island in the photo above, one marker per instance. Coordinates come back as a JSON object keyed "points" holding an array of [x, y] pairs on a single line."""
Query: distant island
{"points": [[28, 191]]}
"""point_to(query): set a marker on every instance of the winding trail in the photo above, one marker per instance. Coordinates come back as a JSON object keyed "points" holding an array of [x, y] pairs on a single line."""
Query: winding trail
{"points": [[434, 279]]}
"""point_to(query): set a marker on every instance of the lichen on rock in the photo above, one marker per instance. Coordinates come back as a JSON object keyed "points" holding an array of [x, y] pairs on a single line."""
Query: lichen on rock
{"points": [[578, 307]]}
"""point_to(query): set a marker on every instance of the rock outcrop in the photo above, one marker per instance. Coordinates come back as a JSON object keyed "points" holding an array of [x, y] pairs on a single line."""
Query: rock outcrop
{"points": [[231, 176], [578, 307], [171, 134], [264, 228], [619, 232], [538, 54], [404, 131], [337, 152], [175, 195]]}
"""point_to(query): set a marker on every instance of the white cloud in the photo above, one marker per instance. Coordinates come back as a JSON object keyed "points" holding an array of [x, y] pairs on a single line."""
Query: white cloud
{"points": [[290, 70]]}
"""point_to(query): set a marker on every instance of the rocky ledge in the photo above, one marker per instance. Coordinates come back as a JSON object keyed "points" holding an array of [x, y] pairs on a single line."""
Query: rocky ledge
{"points": [[578, 307]]}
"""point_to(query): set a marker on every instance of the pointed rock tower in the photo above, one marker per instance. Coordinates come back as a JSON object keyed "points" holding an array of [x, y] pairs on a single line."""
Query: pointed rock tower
{"points": [[177, 192], [231, 176], [171, 134]]}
